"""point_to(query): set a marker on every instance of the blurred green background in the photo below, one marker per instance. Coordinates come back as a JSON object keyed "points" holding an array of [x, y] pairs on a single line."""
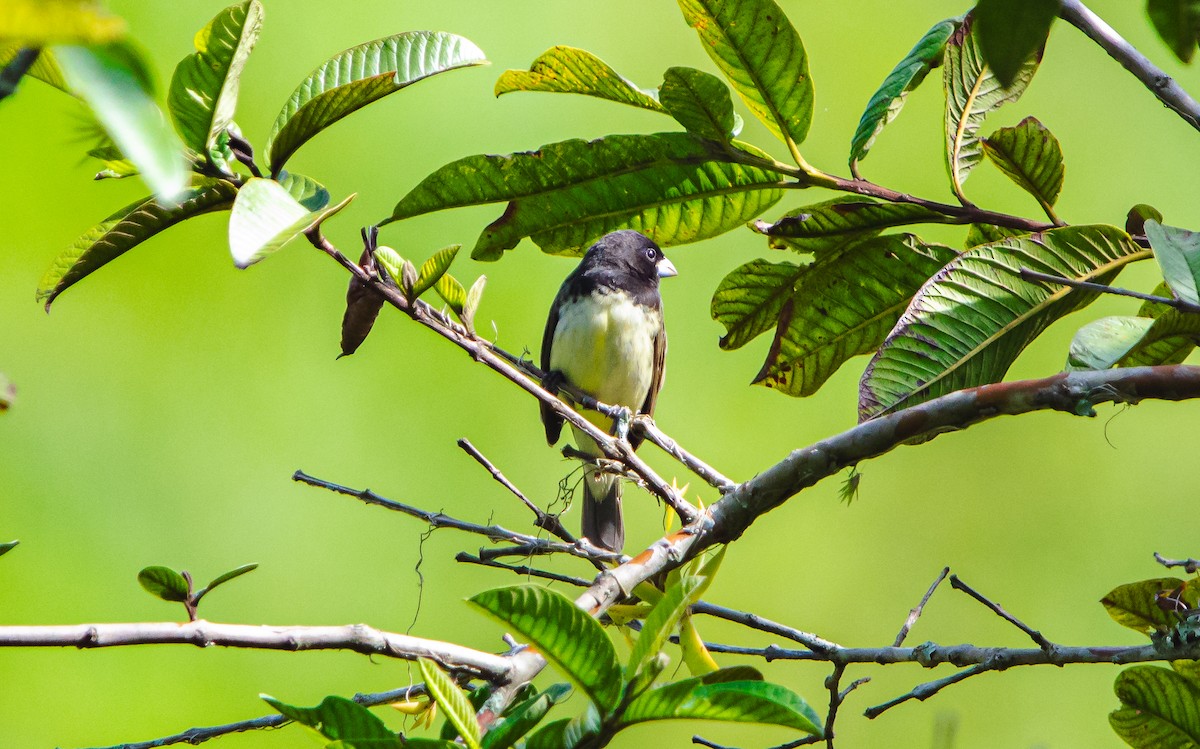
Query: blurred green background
{"points": [[165, 403]]}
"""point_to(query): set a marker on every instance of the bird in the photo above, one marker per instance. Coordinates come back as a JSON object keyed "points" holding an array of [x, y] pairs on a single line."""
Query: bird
{"points": [[605, 336]]}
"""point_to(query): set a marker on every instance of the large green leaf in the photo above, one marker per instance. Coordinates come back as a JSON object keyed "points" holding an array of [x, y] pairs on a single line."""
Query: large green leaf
{"points": [[831, 224], [1178, 24], [567, 70], [1160, 709], [750, 300], [453, 702], [266, 217], [1178, 254], [112, 80], [673, 187], [1102, 343], [124, 230], [759, 51], [888, 100], [978, 234], [972, 92], [968, 324], [701, 103], [564, 634], [307, 191], [550, 736], [1012, 30], [360, 75], [730, 701], [1134, 605], [521, 719], [204, 89], [341, 719], [40, 23], [1169, 340], [1031, 156], [846, 307]]}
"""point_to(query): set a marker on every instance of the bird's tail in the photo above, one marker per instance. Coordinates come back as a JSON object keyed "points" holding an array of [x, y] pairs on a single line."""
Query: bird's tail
{"points": [[602, 523]]}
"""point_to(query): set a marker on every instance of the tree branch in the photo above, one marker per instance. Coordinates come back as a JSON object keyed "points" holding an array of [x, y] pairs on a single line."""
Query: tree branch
{"points": [[1163, 86], [357, 637]]}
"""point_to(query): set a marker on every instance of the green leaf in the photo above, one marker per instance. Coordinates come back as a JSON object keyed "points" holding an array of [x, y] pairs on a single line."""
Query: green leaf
{"points": [[710, 698], [759, 51], [164, 583], [1102, 343], [566, 70], [700, 102], [1133, 605], [968, 324], [1029, 155], [266, 217], [434, 268], [523, 717], [846, 307], [452, 701], [204, 89], [230, 575], [673, 187], [389, 261], [7, 547], [1187, 669], [1169, 340], [111, 79], [1135, 219], [451, 292], [1012, 30], [750, 300], [307, 191], [567, 636], [471, 302], [888, 100], [660, 623], [1159, 709], [1178, 24], [40, 23], [338, 718], [973, 92], [550, 736], [359, 76], [978, 234], [1178, 254], [116, 166], [124, 230], [45, 68], [825, 226]]}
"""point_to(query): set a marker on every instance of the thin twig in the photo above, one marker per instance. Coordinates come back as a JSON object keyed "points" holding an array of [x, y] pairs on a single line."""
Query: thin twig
{"points": [[199, 735], [999, 611], [915, 613], [754, 621], [530, 544], [543, 519], [520, 569], [836, 697], [1180, 304], [1189, 565], [1163, 86], [925, 691]]}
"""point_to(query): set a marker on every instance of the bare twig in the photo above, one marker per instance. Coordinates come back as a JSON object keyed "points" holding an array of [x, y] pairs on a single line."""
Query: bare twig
{"points": [[199, 735], [356, 637], [837, 696], [925, 691], [754, 621], [1163, 86], [1180, 304], [915, 613], [1189, 565], [999, 611], [646, 426], [529, 544], [520, 569], [543, 519]]}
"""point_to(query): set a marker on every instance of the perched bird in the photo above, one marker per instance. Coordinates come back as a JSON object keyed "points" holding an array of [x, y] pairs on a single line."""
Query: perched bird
{"points": [[605, 336]]}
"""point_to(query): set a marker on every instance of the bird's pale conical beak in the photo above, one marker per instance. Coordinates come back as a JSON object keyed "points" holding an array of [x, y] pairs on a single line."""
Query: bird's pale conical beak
{"points": [[666, 269]]}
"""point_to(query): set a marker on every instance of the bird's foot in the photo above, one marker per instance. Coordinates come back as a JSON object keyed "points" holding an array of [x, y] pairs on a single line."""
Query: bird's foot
{"points": [[622, 419]]}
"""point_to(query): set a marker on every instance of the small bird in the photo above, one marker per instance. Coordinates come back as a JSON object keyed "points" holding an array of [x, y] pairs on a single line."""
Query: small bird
{"points": [[605, 336]]}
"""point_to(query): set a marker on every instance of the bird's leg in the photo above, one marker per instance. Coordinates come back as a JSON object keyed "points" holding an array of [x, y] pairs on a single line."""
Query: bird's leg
{"points": [[622, 419]]}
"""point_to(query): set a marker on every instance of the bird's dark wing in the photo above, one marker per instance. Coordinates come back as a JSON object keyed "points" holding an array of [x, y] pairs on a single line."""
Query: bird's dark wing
{"points": [[550, 420], [660, 372]]}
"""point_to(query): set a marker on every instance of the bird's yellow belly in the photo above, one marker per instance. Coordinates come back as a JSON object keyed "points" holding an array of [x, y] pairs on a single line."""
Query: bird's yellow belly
{"points": [[604, 345]]}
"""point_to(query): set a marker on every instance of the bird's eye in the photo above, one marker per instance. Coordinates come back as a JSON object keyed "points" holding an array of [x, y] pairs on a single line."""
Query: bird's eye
{"points": [[651, 254]]}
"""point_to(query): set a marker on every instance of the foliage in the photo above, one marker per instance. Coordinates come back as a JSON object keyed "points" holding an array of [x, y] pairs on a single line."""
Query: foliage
{"points": [[176, 587]]}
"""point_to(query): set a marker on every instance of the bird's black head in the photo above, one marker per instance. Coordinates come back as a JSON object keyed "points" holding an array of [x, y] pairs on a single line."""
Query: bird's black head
{"points": [[629, 252]]}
